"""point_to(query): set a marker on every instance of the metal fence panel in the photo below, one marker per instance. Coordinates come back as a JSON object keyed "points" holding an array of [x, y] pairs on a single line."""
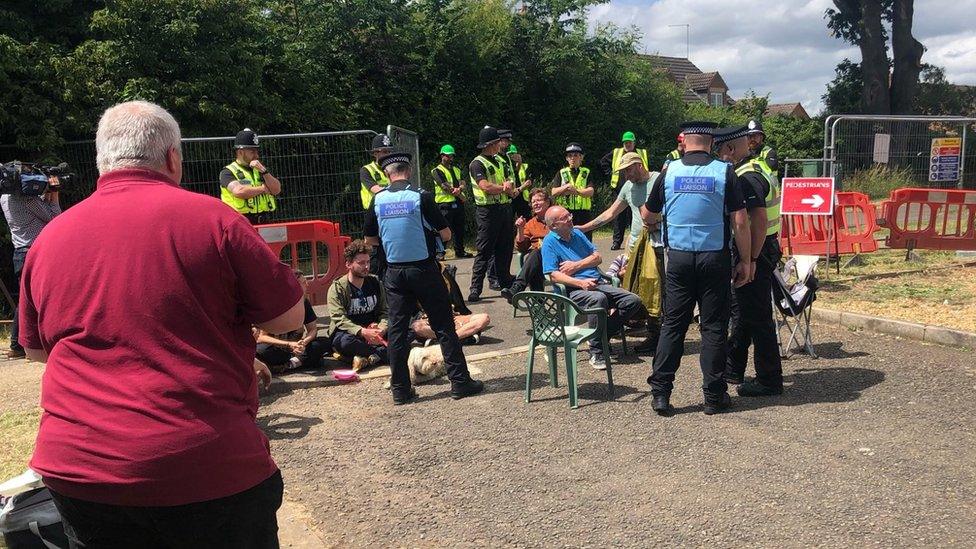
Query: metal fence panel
{"points": [[408, 141], [856, 143]]}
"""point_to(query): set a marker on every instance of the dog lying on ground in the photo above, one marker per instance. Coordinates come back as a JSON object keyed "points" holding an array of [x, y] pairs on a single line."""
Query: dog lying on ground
{"points": [[426, 363]]}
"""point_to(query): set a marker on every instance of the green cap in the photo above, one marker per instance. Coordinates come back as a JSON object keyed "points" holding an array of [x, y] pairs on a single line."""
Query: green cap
{"points": [[628, 136], [512, 149], [447, 149]]}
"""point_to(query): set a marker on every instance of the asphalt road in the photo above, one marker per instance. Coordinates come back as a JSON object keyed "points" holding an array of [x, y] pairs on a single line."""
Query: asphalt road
{"points": [[871, 445]]}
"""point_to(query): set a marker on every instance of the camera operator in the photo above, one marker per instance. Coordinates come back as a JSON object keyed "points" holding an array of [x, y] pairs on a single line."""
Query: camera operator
{"points": [[26, 216]]}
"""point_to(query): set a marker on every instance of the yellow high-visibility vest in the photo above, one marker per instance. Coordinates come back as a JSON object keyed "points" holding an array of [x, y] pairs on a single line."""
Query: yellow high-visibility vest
{"points": [[256, 204], [495, 175], [575, 202], [452, 176], [617, 154], [772, 196], [379, 176]]}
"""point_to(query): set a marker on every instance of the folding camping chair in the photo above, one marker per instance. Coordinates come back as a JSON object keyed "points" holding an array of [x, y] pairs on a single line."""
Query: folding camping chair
{"points": [[794, 291]]}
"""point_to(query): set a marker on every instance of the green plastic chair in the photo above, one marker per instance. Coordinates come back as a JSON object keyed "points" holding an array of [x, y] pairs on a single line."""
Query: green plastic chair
{"points": [[554, 325], [614, 281]]}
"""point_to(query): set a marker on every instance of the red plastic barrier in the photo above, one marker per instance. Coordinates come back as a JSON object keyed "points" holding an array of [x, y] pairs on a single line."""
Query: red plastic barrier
{"points": [[853, 220], [304, 241], [931, 219]]}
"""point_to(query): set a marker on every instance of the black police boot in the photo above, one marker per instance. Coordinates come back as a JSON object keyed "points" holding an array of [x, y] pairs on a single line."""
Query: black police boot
{"points": [[662, 405], [753, 388], [732, 379], [461, 389], [647, 347], [494, 285], [404, 397], [715, 406], [616, 246], [474, 297], [509, 293]]}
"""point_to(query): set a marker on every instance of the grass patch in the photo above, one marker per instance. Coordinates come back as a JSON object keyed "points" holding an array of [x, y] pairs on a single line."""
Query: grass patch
{"points": [[879, 180], [913, 290], [18, 431], [893, 261]]}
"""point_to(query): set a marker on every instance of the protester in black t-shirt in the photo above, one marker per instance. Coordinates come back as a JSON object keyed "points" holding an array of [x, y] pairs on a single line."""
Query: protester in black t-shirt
{"points": [[297, 349]]}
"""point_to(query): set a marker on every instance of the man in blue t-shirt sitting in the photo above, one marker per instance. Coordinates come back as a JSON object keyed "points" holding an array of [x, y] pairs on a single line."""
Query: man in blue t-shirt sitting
{"points": [[569, 258]]}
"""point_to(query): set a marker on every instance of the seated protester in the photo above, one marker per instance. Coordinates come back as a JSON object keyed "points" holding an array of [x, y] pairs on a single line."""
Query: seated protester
{"points": [[357, 308], [571, 259], [528, 240], [467, 324], [468, 327], [297, 349]]}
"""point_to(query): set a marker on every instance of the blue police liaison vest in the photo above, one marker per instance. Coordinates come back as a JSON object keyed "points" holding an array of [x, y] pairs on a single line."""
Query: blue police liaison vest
{"points": [[403, 230], [694, 206]]}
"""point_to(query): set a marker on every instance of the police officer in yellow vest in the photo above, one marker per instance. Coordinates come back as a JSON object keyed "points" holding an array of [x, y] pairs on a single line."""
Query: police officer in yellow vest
{"points": [[371, 178], [677, 152], [522, 181], [752, 314], [610, 163], [245, 183], [763, 152], [493, 213], [449, 196], [572, 187]]}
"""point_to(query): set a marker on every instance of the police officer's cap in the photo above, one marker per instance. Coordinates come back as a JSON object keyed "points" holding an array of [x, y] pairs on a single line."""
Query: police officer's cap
{"points": [[381, 141], [395, 157], [487, 136], [724, 135], [246, 139], [698, 128], [504, 134], [574, 148], [755, 127]]}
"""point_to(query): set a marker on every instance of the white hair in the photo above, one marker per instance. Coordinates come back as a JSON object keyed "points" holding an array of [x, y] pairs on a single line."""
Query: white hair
{"points": [[136, 134], [397, 168]]}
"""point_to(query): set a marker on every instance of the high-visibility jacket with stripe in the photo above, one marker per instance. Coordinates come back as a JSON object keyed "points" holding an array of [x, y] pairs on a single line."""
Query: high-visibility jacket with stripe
{"points": [[452, 176], [575, 202], [496, 176], [256, 204], [523, 173], [763, 157], [617, 154], [379, 177], [772, 196]]}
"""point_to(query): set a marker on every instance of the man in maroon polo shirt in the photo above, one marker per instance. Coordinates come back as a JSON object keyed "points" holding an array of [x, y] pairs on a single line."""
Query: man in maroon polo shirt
{"points": [[140, 299]]}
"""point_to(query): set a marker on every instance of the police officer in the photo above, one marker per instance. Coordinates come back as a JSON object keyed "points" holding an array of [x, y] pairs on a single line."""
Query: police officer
{"points": [[698, 198], [371, 181], [405, 221], [572, 188], [449, 196], [522, 183], [246, 185], [508, 170], [678, 152], [371, 178], [752, 314], [611, 166], [493, 213], [763, 152]]}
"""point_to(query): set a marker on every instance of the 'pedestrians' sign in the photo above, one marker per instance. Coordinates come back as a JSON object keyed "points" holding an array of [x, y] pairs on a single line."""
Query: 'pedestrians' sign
{"points": [[807, 196], [944, 161]]}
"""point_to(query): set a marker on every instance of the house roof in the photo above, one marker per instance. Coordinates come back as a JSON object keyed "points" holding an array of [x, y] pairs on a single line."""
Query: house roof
{"points": [[787, 109], [677, 67]]}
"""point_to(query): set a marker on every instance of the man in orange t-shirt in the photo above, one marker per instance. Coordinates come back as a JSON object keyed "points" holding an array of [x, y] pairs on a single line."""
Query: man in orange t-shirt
{"points": [[528, 240]]}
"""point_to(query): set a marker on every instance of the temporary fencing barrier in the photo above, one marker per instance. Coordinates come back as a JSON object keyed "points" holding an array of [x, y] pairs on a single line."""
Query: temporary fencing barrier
{"points": [[315, 247], [850, 230], [931, 220]]}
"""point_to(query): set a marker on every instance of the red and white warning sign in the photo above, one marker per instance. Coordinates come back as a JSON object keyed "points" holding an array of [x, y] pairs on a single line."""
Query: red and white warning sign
{"points": [[807, 196]]}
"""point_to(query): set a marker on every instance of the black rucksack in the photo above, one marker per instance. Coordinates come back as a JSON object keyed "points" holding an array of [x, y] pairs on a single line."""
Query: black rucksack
{"points": [[31, 521]]}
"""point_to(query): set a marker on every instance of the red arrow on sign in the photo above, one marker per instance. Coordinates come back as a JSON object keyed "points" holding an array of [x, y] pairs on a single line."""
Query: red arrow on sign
{"points": [[807, 196]]}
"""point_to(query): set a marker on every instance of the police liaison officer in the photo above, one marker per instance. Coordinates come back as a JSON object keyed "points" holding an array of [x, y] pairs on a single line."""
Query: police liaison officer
{"points": [[752, 315], [572, 188], [697, 199], [449, 196], [245, 183], [493, 213], [371, 181], [405, 222]]}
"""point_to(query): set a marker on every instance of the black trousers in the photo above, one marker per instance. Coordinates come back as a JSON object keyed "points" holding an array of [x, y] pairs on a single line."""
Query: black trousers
{"points": [[260, 218], [20, 255], [583, 216], [495, 243], [620, 225], [702, 278], [454, 214], [530, 276], [272, 355], [377, 261], [521, 207], [752, 322], [407, 285], [244, 520]]}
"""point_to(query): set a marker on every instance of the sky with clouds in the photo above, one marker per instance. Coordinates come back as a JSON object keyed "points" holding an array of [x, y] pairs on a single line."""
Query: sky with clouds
{"points": [[784, 48]]}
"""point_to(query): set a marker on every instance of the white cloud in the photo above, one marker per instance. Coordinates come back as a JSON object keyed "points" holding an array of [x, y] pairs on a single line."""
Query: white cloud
{"points": [[784, 48]]}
